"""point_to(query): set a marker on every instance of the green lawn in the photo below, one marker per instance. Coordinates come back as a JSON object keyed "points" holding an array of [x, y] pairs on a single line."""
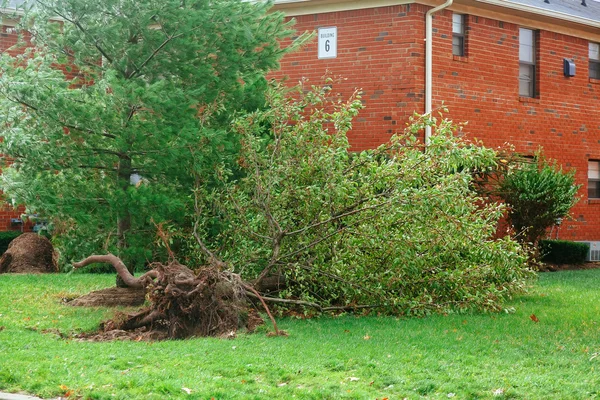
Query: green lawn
{"points": [[459, 356]]}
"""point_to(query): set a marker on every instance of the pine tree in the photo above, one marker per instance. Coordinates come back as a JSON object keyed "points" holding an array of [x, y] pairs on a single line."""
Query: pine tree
{"points": [[112, 108]]}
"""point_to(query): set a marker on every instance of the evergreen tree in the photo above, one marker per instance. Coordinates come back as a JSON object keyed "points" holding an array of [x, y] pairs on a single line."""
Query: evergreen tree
{"points": [[113, 107]]}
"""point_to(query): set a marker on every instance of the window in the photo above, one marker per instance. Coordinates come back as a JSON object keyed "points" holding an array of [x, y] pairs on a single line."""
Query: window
{"points": [[593, 179], [527, 63], [458, 34], [594, 55]]}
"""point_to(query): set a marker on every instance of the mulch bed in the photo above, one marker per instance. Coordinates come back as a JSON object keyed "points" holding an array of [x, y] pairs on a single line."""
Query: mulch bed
{"points": [[546, 267]]}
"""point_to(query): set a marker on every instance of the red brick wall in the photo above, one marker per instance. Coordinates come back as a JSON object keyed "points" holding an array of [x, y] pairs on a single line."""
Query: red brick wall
{"points": [[7, 39], [381, 50], [482, 88]]}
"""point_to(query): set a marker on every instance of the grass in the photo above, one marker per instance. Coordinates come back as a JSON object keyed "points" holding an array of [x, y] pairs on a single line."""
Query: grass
{"points": [[462, 356]]}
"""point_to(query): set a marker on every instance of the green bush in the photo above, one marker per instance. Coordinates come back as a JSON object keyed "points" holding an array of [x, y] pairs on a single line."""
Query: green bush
{"points": [[538, 196], [563, 251], [6, 238]]}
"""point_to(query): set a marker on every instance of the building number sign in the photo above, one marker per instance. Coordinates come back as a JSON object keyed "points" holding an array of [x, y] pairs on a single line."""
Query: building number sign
{"points": [[328, 42]]}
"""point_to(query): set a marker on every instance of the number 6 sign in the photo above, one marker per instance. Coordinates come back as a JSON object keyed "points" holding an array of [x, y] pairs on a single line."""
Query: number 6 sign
{"points": [[328, 42]]}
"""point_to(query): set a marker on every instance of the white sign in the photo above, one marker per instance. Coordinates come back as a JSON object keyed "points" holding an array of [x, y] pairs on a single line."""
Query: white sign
{"points": [[328, 42]]}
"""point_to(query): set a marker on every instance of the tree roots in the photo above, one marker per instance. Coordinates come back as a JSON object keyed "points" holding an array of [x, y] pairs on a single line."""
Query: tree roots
{"points": [[183, 303]]}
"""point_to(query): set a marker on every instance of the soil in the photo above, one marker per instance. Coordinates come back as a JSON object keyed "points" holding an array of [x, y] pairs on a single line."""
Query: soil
{"points": [[29, 253], [138, 335], [546, 267], [111, 297]]}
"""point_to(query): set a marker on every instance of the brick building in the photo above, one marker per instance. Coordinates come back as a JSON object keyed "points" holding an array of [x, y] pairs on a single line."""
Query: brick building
{"points": [[498, 64], [525, 72]]}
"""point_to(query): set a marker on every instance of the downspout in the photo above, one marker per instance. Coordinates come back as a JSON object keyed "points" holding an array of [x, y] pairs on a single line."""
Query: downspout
{"points": [[429, 61]]}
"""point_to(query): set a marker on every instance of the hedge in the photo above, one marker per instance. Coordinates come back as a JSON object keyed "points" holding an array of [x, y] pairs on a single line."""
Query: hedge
{"points": [[563, 251]]}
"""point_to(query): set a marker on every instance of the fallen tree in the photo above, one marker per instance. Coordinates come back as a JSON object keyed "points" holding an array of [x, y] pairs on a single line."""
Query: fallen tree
{"points": [[307, 224], [401, 228]]}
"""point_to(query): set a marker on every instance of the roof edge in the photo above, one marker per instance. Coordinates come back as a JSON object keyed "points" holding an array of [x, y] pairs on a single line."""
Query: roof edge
{"points": [[541, 11], [304, 7]]}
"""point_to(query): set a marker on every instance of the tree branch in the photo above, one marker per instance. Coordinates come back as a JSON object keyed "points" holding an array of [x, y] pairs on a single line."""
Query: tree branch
{"points": [[259, 297], [78, 25], [313, 305], [339, 216], [61, 123], [137, 70], [120, 267], [211, 256]]}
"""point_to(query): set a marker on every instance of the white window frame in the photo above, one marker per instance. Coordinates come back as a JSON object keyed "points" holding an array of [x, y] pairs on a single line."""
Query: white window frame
{"points": [[593, 179], [527, 62], [594, 57], [458, 34]]}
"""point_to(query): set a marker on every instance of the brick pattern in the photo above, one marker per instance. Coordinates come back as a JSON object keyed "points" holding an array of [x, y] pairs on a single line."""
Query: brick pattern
{"points": [[563, 118], [381, 51]]}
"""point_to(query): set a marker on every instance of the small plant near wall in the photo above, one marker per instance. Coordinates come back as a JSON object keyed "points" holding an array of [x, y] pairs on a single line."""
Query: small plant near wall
{"points": [[538, 195]]}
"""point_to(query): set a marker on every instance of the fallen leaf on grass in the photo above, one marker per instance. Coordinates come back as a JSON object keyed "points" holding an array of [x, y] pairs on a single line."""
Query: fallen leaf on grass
{"points": [[282, 384], [367, 337], [188, 391], [66, 391], [353, 379], [534, 318]]}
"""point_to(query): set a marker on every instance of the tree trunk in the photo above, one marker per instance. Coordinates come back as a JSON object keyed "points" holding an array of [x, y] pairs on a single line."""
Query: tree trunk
{"points": [[124, 216]]}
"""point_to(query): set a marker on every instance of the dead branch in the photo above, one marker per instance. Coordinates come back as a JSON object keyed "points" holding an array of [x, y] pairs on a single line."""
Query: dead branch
{"points": [[259, 297]]}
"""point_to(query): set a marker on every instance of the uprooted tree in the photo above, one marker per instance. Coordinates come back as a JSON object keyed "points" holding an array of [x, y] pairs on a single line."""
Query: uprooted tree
{"points": [[399, 228]]}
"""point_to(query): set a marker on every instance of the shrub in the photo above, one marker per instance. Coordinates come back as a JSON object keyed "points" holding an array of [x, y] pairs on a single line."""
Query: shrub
{"points": [[538, 195], [563, 251], [6, 238]]}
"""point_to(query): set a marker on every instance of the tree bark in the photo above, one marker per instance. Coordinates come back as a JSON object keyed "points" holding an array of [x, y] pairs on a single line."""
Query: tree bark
{"points": [[122, 272], [124, 217]]}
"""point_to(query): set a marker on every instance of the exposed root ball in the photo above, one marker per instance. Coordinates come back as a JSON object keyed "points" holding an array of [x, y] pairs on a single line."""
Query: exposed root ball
{"points": [[29, 253], [184, 304]]}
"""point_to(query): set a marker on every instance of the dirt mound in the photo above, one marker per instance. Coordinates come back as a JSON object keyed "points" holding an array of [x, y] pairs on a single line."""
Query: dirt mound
{"points": [[29, 253], [111, 297]]}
